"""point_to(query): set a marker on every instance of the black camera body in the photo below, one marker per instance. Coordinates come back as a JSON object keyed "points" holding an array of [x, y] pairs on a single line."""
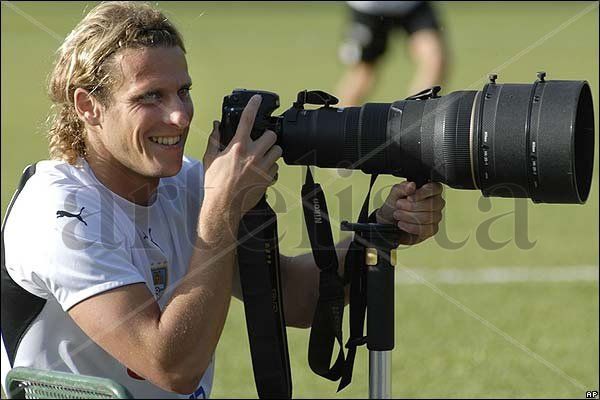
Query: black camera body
{"points": [[234, 104]]}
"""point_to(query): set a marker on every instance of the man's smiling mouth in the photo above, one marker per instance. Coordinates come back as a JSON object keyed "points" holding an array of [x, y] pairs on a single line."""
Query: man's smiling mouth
{"points": [[166, 140]]}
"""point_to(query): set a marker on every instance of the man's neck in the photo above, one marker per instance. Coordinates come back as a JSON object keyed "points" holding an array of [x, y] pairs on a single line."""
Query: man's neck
{"points": [[123, 181]]}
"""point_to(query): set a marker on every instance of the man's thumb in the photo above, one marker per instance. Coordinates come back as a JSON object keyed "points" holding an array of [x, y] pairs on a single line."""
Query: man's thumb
{"points": [[212, 147], [402, 190]]}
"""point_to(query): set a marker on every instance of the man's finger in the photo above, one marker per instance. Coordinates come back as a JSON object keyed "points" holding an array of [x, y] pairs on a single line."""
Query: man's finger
{"points": [[265, 142], [428, 190], [273, 173], [435, 203], [214, 139], [274, 181], [398, 191], [402, 190], [418, 217], [213, 144], [272, 155], [247, 118]]}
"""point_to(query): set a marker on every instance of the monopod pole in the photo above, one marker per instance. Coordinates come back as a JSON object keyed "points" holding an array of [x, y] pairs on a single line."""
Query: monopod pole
{"points": [[379, 241]]}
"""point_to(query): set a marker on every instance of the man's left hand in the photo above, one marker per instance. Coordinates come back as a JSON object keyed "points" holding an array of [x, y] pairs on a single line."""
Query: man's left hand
{"points": [[417, 212]]}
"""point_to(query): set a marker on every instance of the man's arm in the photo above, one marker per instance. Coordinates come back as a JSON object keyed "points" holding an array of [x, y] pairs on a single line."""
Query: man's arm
{"points": [[174, 347], [417, 212], [171, 349], [300, 285]]}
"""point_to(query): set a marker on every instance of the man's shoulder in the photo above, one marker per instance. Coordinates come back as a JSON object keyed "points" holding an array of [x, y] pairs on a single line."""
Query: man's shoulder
{"points": [[58, 178], [56, 195], [59, 220], [58, 187]]}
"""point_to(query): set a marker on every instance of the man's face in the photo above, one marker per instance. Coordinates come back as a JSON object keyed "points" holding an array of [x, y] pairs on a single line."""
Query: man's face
{"points": [[147, 121]]}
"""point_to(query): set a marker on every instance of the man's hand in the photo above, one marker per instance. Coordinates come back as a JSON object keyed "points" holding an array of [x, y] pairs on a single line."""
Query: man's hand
{"points": [[417, 212], [238, 176]]}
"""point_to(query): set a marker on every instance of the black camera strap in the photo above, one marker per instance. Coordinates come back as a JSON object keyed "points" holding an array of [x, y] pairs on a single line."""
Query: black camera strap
{"points": [[327, 320], [355, 271], [258, 260]]}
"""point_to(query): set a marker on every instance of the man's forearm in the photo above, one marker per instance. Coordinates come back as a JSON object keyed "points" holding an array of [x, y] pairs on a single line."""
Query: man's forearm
{"points": [[192, 321], [300, 277]]}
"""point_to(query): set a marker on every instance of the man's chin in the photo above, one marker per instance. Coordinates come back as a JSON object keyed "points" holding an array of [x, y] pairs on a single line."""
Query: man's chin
{"points": [[169, 174], [167, 170]]}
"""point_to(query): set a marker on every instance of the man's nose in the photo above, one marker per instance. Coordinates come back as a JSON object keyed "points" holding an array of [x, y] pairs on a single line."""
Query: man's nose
{"points": [[178, 114]]}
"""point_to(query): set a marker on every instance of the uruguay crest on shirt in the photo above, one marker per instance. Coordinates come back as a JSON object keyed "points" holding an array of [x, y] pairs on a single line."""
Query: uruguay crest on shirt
{"points": [[159, 277]]}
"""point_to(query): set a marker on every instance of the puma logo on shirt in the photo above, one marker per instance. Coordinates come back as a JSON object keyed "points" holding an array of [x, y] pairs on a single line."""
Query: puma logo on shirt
{"points": [[61, 213]]}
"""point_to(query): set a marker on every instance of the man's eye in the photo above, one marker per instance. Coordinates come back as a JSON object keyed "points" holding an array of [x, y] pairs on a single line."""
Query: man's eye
{"points": [[185, 92], [151, 97]]}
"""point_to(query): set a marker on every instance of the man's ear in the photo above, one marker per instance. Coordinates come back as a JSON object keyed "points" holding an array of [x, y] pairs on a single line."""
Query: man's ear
{"points": [[88, 108]]}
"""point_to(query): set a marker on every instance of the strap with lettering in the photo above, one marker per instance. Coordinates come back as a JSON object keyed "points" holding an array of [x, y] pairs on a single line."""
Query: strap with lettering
{"points": [[354, 267], [260, 278], [327, 320]]}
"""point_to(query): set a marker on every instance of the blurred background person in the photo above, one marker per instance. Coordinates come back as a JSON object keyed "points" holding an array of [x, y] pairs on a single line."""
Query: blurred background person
{"points": [[367, 40]]}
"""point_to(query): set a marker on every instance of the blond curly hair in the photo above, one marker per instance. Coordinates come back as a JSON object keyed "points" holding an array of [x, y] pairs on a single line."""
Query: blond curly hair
{"points": [[85, 60]]}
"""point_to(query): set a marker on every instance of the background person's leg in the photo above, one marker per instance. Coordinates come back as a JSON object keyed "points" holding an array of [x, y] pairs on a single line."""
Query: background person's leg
{"points": [[427, 51], [365, 43], [426, 46], [356, 83]]}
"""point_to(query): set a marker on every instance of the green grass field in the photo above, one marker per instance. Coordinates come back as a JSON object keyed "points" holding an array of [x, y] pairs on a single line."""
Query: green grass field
{"points": [[513, 340]]}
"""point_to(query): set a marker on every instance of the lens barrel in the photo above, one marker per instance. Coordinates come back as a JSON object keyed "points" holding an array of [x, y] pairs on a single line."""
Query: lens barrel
{"points": [[535, 141], [508, 140]]}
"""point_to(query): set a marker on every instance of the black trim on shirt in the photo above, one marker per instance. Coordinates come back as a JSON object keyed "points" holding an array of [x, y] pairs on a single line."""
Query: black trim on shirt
{"points": [[19, 307]]}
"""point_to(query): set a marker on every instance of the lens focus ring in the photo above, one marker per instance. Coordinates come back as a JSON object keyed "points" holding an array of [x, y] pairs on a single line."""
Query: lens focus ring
{"points": [[372, 136], [457, 140]]}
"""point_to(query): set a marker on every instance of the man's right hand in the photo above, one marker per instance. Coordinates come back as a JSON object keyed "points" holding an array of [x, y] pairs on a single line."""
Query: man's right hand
{"points": [[237, 177]]}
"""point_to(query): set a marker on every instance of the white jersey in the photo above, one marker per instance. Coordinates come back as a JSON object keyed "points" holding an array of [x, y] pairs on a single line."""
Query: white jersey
{"points": [[67, 238]]}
